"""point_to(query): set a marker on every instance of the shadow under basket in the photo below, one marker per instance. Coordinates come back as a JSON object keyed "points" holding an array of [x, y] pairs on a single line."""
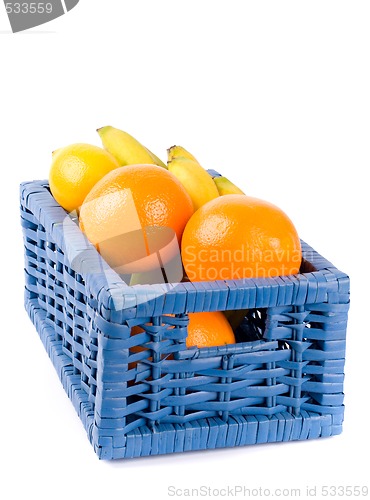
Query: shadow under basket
{"points": [[147, 394]]}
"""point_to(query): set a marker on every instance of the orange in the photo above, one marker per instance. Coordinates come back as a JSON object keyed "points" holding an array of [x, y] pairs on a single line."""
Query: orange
{"points": [[237, 236], [135, 216], [75, 169], [207, 329]]}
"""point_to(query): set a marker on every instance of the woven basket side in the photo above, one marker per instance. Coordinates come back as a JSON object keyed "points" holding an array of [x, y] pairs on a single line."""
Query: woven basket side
{"points": [[60, 295], [316, 335]]}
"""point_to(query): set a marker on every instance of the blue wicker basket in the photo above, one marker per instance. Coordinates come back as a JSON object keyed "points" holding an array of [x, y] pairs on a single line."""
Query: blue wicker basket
{"points": [[282, 380]]}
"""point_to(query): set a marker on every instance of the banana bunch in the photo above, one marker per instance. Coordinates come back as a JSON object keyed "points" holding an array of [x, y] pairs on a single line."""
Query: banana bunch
{"points": [[126, 149], [200, 185]]}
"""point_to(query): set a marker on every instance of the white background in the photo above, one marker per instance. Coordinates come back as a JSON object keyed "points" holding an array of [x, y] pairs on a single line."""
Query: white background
{"points": [[273, 93]]}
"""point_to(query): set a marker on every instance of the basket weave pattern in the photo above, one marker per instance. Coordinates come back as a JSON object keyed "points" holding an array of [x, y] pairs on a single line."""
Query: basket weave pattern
{"points": [[286, 383]]}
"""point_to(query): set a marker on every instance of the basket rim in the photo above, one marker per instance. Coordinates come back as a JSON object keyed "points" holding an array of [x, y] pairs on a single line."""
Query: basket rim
{"points": [[110, 290]]}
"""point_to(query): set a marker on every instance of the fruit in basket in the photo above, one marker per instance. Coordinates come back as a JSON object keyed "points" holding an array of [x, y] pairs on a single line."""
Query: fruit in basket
{"points": [[75, 169], [225, 186], [208, 329], [195, 179], [125, 148], [205, 329], [238, 236], [135, 216]]}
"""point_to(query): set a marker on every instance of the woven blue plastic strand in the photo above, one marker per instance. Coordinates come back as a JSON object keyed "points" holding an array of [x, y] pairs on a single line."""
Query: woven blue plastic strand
{"points": [[146, 393]]}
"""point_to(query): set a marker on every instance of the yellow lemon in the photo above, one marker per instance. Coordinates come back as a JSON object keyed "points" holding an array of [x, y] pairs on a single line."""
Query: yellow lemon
{"points": [[75, 169]]}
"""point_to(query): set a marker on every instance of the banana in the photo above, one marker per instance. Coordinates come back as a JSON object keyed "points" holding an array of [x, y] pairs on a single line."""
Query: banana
{"points": [[171, 272], [235, 317], [125, 148], [224, 186], [195, 179], [147, 278], [179, 152]]}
